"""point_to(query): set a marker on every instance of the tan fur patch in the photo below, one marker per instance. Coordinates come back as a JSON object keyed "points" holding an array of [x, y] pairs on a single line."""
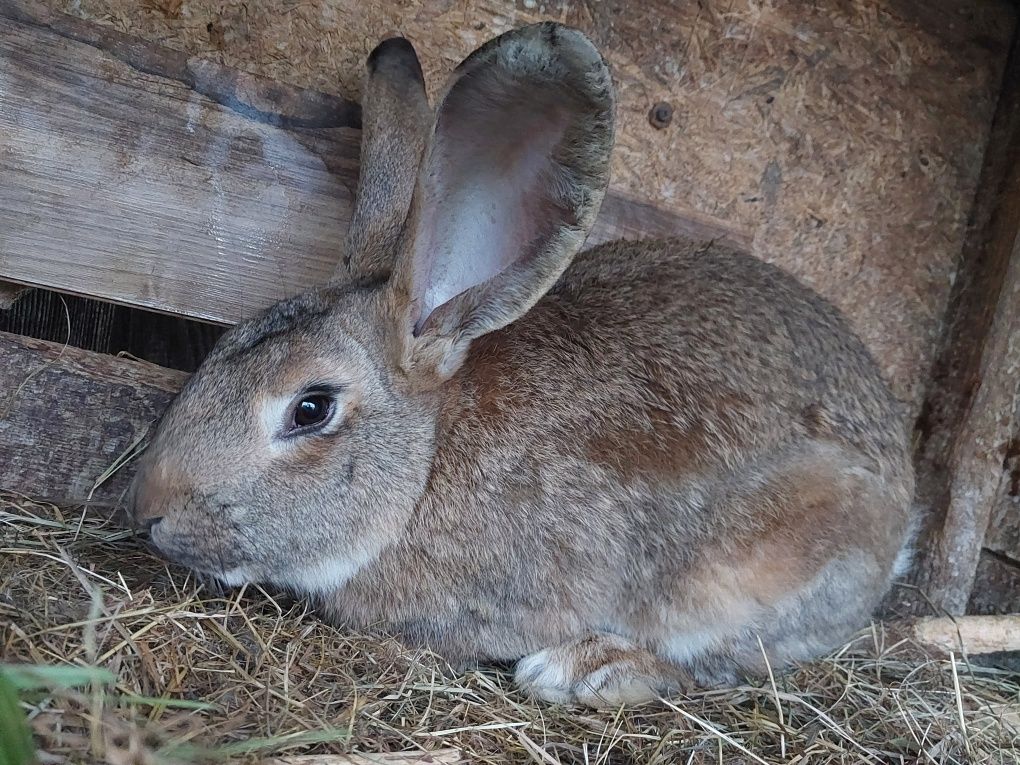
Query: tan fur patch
{"points": [[666, 449]]}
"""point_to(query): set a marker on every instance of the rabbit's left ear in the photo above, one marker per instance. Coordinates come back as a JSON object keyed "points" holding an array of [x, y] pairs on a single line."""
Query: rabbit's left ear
{"points": [[512, 179], [396, 122]]}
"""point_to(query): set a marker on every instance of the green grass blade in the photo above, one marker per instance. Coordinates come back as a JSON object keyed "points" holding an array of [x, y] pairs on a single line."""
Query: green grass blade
{"points": [[31, 677], [16, 746]]}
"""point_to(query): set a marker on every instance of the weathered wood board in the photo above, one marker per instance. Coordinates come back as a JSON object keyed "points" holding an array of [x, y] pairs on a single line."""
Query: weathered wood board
{"points": [[136, 174], [67, 416], [969, 425]]}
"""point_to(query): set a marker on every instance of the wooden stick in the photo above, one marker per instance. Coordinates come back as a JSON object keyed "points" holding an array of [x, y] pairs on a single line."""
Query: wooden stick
{"points": [[969, 635], [967, 420]]}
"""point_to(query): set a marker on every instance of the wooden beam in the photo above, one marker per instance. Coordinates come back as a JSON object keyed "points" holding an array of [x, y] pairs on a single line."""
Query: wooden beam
{"points": [[135, 174], [68, 416], [969, 413]]}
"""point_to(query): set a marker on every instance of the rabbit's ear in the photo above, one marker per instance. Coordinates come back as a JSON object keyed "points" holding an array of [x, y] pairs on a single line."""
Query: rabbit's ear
{"points": [[395, 123], [512, 179]]}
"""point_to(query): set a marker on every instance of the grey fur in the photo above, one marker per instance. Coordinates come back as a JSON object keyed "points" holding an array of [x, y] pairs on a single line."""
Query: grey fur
{"points": [[677, 451]]}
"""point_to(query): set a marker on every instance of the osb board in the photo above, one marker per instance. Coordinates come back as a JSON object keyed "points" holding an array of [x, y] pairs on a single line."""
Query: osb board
{"points": [[845, 134]]}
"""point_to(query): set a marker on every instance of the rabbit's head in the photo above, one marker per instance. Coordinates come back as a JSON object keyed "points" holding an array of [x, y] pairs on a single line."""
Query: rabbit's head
{"points": [[302, 445]]}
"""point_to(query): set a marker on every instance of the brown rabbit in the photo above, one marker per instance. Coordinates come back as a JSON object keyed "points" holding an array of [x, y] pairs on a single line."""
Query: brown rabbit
{"points": [[621, 470]]}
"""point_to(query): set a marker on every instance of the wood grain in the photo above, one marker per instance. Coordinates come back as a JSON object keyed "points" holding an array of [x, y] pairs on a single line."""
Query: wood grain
{"points": [[134, 174], [67, 415], [969, 418], [969, 634]]}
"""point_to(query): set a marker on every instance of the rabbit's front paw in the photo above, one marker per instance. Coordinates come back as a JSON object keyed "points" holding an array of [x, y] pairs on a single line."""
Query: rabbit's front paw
{"points": [[598, 670]]}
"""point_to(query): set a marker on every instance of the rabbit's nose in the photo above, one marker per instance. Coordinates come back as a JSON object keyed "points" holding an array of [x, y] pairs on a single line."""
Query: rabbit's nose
{"points": [[149, 497]]}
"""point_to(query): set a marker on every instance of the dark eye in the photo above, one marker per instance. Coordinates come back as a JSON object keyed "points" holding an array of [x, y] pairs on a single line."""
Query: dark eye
{"points": [[311, 410]]}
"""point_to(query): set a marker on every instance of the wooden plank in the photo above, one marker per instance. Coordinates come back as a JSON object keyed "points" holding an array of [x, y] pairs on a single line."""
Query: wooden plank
{"points": [[970, 409], [135, 174], [68, 415], [968, 635]]}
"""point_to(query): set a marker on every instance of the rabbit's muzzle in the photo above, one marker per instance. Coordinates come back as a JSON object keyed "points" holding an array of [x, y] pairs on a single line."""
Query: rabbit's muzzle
{"points": [[185, 526]]}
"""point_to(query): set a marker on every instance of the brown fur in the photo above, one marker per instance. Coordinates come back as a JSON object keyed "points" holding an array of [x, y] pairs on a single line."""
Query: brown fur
{"points": [[676, 453]]}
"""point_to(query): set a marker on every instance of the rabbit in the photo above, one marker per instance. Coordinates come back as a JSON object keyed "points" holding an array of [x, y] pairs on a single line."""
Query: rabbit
{"points": [[641, 470]]}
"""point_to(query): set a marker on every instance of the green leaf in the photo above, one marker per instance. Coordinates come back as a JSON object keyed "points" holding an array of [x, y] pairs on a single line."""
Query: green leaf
{"points": [[16, 746], [30, 677]]}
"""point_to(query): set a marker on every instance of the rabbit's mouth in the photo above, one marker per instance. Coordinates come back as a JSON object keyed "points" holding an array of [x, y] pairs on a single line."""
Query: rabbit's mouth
{"points": [[213, 561]]}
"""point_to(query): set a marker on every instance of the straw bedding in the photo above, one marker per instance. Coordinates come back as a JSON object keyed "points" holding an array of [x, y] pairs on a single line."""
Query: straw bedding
{"points": [[247, 675]]}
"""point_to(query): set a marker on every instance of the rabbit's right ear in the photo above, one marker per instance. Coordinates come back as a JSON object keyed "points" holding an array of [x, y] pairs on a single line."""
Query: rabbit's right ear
{"points": [[512, 178], [395, 123]]}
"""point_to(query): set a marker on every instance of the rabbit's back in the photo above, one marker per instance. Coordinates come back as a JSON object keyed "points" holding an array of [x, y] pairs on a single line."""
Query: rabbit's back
{"points": [[693, 354]]}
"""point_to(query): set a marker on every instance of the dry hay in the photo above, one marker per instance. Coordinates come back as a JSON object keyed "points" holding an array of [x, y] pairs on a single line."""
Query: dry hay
{"points": [[204, 676]]}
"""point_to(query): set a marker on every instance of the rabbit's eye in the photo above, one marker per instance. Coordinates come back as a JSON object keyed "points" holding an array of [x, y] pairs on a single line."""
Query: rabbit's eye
{"points": [[312, 410]]}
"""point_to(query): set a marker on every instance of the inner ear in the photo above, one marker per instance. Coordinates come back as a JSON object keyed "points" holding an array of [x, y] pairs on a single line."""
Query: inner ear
{"points": [[512, 179], [493, 192]]}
